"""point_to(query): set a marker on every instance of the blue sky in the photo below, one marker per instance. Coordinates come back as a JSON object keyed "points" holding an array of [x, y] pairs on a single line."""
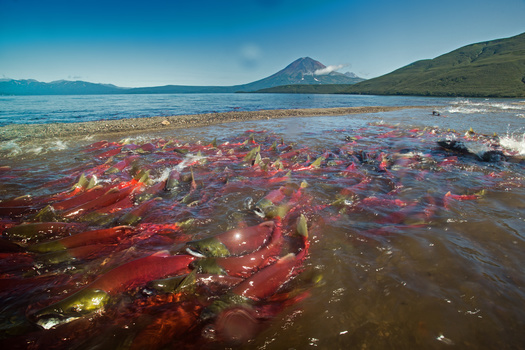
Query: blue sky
{"points": [[150, 43]]}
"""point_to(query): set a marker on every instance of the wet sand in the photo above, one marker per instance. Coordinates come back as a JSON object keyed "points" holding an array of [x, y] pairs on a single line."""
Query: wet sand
{"points": [[30, 132]]}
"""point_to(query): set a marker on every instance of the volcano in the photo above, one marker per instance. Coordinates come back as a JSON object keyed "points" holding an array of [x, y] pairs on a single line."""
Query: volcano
{"points": [[304, 70]]}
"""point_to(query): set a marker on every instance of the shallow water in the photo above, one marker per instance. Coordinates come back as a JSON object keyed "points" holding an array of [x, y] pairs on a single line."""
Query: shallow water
{"points": [[413, 246]]}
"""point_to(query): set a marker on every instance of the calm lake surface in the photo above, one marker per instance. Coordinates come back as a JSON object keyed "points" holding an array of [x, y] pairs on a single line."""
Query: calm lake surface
{"points": [[411, 245], [70, 109]]}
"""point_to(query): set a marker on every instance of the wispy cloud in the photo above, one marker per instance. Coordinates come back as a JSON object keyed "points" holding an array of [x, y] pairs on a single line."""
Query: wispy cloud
{"points": [[329, 69], [250, 55]]}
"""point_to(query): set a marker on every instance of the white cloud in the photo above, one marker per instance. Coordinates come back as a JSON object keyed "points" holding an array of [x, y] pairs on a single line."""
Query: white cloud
{"points": [[329, 69]]}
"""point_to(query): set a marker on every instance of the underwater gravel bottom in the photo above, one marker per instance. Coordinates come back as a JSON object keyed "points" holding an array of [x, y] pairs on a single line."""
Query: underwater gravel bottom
{"points": [[371, 236]]}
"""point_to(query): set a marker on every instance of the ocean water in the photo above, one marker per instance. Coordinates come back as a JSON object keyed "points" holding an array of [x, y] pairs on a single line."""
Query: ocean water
{"points": [[411, 245]]}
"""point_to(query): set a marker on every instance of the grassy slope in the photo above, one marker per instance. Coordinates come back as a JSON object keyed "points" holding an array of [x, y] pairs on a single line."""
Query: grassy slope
{"points": [[489, 69]]}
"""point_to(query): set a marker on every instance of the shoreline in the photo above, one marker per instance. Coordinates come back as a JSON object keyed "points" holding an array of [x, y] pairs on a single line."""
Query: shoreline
{"points": [[27, 132]]}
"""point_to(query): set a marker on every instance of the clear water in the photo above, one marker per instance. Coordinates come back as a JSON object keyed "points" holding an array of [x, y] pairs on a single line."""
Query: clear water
{"points": [[432, 271]]}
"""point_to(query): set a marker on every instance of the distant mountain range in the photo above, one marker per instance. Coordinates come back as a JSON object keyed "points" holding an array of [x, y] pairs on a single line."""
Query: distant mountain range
{"points": [[302, 71], [59, 87], [487, 69]]}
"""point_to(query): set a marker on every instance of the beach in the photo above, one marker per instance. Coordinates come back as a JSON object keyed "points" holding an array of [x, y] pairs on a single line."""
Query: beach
{"points": [[131, 126]]}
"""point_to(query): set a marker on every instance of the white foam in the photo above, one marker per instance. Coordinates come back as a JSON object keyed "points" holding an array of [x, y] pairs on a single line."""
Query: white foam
{"points": [[138, 140], [514, 142], [189, 159], [163, 176], [59, 145], [469, 107], [478, 149], [11, 148], [36, 150], [465, 110]]}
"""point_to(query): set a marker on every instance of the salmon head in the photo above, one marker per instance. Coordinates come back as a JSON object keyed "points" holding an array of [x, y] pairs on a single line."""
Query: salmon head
{"points": [[76, 305], [207, 247]]}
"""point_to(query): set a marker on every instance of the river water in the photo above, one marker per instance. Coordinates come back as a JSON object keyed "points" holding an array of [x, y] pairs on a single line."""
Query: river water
{"points": [[411, 244]]}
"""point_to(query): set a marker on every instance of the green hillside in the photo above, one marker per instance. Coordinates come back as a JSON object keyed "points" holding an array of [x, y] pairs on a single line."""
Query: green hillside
{"points": [[489, 69]]}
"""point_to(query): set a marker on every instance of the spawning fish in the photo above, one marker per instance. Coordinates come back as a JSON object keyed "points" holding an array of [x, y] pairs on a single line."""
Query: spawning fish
{"points": [[233, 242]]}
